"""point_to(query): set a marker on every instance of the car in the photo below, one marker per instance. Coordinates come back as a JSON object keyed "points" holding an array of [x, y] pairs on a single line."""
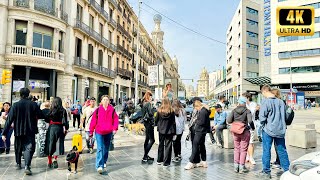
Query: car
{"points": [[306, 167], [189, 110]]}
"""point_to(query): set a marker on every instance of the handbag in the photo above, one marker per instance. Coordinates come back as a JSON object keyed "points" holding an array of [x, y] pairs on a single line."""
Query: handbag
{"points": [[75, 112], [237, 127]]}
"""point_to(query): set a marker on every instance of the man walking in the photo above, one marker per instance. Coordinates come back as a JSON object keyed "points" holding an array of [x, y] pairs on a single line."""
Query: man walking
{"points": [[24, 115], [272, 118]]}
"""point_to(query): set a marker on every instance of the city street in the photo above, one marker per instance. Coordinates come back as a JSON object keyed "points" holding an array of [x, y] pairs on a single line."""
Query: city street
{"points": [[125, 161]]}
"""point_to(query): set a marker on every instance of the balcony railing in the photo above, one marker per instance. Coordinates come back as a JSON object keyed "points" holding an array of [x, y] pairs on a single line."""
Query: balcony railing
{"points": [[120, 28], [119, 8], [100, 9], [142, 83], [134, 32], [134, 48], [120, 48], [44, 9], [20, 50], [105, 42], [134, 64], [22, 3], [113, 2], [124, 72], [64, 16], [44, 53], [125, 15], [61, 56], [113, 22], [93, 67], [113, 47], [129, 21]]}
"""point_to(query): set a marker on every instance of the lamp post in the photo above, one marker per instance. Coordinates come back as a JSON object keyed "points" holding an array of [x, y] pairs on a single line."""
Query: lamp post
{"points": [[137, 62]]}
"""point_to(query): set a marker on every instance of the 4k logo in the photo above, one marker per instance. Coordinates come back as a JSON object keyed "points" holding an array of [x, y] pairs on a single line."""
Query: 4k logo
{"points": [[295, 21]]}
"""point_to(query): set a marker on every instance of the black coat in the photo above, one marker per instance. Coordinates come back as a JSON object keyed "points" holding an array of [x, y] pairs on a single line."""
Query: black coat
{"points": [[202, 124], [166, 123], [24, 115]]}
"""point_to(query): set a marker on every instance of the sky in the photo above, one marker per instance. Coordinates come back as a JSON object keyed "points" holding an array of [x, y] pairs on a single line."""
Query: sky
{"points": [[194, 52]]}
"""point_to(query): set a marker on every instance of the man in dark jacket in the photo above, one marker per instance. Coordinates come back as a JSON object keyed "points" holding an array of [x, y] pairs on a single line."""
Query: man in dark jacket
{"points": [[24, 115]]}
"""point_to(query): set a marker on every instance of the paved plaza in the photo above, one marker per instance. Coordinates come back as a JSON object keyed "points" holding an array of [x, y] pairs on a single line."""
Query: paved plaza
{"points": [[125, 161]]}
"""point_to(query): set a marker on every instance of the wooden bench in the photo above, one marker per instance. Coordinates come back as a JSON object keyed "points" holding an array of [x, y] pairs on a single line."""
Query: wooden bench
{"points": [[302, 137]]}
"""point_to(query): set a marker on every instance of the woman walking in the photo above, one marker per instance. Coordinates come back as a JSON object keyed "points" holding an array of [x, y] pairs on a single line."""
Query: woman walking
{"points": [[240, 117], [147, 114], [180, 118], [57, 118], [5, 146], [104, 123], [165, 121], [201, 127]]}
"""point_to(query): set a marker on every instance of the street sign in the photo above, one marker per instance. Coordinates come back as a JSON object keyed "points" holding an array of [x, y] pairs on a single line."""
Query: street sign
{"points": [[153, 75]]}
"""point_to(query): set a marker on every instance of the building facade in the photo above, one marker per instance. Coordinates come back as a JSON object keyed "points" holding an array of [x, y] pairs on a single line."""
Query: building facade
{"points": [[74, 49], [244, 38], [203, 84], [302, 52]]}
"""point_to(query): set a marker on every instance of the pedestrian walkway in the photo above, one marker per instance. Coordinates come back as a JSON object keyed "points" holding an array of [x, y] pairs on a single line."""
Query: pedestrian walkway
{"points": [[125, 162]]}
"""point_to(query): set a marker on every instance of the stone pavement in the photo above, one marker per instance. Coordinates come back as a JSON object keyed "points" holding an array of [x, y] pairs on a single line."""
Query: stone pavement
{"points": [[125, 161]]}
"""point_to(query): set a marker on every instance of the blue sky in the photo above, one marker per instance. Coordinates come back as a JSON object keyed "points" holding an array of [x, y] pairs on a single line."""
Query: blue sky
{"points": [[209, 17]]}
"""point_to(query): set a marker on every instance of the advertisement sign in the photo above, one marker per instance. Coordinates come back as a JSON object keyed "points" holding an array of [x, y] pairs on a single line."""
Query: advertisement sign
{"points": [[291, 99], [153, 75], [300, 99]]}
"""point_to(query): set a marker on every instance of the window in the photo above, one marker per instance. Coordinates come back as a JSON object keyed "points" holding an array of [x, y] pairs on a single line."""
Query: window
{"points": [[239, 36], [252, 60], [239, 47], [60, 45], [252, 23], [299, 53], [90, 53], [91, 21], [315, 5], [252, 34], [239, 23], [21, 37], [252, 46], [238, 74], [252, 11], [101, 29], [252, 74], [111, 13], [118, 40], [100, 58], [110, 37], [305, 69], [79, 12], [127, 66], [317, 19], [42, 40], [117, 63], [109, 62], [295, 38], [122, 66], [239, 12]]}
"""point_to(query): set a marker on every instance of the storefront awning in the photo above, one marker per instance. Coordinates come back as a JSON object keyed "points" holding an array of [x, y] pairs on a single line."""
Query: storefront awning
{"points": [[260, 81]]}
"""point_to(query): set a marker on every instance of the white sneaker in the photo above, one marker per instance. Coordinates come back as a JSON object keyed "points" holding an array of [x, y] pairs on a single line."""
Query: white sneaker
{"points": [[189, 166], [247, 158], [100, 170], [252, 161], [105, 165], [202, 164]]}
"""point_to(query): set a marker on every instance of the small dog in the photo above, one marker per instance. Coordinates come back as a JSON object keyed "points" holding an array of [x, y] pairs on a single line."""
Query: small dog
{"points": [[73, 157]]}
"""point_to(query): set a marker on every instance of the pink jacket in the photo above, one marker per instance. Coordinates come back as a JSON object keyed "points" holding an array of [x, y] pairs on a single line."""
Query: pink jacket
{"points": [[104, 123]]}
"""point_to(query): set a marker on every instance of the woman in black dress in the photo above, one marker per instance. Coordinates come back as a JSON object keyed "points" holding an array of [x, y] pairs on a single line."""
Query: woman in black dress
{"points": [[57, 118]]}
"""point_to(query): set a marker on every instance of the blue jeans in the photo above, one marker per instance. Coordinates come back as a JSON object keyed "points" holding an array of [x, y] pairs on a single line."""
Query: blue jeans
{"points": [[8, 137], [281, 149], [103, 143], [258, 127]]}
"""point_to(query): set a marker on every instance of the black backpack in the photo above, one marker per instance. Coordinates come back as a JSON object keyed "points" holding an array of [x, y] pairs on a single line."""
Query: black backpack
{"points": [[289, 115]]}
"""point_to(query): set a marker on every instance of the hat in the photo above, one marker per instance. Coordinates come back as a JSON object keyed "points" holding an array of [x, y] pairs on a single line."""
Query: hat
{"points": [[196, 99], [218, 106], [242, 100]]}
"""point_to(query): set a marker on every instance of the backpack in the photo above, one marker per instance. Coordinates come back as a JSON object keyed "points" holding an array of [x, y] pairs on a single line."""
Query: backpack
{"points": [[289, 115]]}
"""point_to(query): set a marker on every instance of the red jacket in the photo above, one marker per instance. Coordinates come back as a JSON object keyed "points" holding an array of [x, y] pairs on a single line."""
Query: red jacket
{"points": [[106, 122]]}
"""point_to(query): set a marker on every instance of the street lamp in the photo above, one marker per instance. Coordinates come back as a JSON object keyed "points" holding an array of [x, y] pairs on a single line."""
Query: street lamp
{"points": [[158, 73], [137, 62]]}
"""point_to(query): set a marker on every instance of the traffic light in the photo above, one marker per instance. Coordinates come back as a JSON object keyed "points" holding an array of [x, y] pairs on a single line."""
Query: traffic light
{"points": [[6, 76]]}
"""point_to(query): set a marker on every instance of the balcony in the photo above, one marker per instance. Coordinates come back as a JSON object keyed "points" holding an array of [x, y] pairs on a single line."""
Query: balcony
{"points": [[134, 48], [47, 10], [119, 8], [113, 47], [64, 16], [120, 28], [37, 52], [124, 73], [142, 83], [22, 3], [129, 21], [120, 48], [98, 8], [114, 3], [134, 64], [83, 63], [134, 32], [125, 16], [112, 22], [92, 33]]}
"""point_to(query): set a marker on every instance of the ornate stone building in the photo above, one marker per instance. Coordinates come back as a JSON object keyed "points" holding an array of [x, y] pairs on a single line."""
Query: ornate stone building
{"points": [[203, 84]]}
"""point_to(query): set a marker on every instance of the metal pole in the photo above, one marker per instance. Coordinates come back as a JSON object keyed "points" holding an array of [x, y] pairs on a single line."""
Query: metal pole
{"points": [[137, 62], [158, 80], [291, 82]]}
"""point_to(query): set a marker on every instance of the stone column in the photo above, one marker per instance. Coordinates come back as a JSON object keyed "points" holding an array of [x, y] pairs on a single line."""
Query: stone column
{"points": [[81, 87], [55, 44], [31, 4], [85, 49], [26, 82], [94, 88], [57, 7], [29, 37], [64, 85], [10, 35]]}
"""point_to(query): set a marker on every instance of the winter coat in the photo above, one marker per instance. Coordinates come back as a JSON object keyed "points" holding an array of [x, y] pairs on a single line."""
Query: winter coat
{"points": [[24, 115], [147, 112], [242, 114], [166, 123], [202, 123], [104, 121]]}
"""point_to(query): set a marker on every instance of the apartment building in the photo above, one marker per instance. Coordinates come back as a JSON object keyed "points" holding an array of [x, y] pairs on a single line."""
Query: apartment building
{"points": [[75, 48], [242, 51], [302, 52]]}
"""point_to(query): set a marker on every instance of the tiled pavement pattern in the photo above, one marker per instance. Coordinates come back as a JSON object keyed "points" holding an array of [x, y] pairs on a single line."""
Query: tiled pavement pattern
{"points": [[125, 163]]}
